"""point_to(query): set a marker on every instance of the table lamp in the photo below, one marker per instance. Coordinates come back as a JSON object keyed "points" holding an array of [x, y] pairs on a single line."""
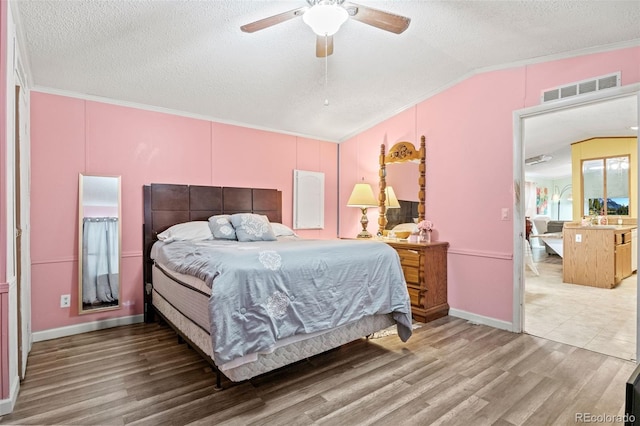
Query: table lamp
{"points": [[362, 197], [391, 201]]}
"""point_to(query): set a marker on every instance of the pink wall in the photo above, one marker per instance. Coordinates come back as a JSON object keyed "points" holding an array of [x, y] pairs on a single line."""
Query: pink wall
{"points": [[71, 136], [469, 163], [4, 286], [469, 175], [398, 176], [359, 158]]}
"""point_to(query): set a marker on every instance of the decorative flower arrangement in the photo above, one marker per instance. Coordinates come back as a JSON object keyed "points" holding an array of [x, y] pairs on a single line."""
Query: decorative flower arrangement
{"points": [[425, 225]]}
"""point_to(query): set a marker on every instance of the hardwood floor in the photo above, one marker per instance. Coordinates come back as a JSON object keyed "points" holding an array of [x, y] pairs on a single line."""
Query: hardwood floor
{"points": [[450, 372]]}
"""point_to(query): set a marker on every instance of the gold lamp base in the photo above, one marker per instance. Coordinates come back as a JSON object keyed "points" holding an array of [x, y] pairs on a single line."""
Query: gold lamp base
{"points": [[364, 221]]}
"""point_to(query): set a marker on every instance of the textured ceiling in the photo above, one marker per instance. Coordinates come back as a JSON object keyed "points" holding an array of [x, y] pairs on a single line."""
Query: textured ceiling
{"points": [[191, 56], [553, 133]]}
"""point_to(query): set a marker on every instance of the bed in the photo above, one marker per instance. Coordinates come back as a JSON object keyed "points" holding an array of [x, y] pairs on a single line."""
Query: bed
{"points": [[249, 307]]}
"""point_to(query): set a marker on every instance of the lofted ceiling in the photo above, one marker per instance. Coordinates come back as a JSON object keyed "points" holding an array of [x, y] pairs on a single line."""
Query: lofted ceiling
{"points": [[192, 57]]}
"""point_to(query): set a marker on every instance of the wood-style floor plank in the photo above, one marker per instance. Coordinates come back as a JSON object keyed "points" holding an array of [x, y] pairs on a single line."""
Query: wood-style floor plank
{"points": [[451, 372]]}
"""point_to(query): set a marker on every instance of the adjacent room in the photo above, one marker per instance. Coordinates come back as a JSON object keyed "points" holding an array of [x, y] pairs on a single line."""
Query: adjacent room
{"points": [[318, 211], [560, 304]]}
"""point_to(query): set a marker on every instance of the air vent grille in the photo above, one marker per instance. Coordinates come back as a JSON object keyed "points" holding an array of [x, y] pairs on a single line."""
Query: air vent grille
{"points": [[582, 87], [608, 82], [589, 86], [551, 95], [569, 91]]}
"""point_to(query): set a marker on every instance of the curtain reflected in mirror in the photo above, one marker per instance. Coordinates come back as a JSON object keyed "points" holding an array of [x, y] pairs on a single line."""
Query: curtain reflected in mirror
{"points": [[99, 243]]}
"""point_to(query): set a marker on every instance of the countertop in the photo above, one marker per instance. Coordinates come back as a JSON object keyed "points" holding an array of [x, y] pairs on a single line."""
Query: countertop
{"points": [[606, 227]]}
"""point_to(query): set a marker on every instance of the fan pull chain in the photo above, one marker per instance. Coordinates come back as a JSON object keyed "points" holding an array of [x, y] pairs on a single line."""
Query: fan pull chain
{"points": [[326, 70]]}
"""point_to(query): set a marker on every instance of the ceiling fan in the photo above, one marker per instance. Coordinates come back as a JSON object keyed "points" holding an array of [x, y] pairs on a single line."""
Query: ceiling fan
{"points": [[326, 16]]}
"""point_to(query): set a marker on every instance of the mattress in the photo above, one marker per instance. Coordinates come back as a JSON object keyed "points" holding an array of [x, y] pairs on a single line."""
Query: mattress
{"points": [[183, 301], [263, 292], [187, 294]]}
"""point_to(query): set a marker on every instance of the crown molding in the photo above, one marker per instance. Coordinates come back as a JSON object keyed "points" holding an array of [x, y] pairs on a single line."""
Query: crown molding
{"points": [[128, 104]]}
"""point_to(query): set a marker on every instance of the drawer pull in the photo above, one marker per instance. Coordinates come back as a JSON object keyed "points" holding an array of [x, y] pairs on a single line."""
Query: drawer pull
{"points": [[413, 251]]}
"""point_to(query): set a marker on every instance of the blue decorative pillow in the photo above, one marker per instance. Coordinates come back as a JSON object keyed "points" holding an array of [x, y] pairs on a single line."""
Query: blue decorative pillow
{"points": [[221, 227], [252, 227]]}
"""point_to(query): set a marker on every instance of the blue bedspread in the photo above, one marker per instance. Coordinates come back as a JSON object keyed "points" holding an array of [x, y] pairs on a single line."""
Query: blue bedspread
{"points": [[265, 291]]}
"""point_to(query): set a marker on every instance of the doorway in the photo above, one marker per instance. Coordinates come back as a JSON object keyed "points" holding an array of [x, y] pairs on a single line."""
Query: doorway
{"points": [[543, 304]]}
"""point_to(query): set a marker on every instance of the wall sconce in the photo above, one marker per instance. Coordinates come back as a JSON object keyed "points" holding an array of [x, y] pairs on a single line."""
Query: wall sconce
{"points": [[362, 197]]}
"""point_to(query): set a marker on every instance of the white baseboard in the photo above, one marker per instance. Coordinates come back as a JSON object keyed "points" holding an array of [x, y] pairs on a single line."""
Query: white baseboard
{"points": [[481, 319], [6, 405], [70, 330]]}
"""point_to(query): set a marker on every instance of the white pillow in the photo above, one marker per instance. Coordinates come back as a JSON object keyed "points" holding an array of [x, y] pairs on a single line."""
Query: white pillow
{"points": [[281, 230], [187, 231], [412, 227]]}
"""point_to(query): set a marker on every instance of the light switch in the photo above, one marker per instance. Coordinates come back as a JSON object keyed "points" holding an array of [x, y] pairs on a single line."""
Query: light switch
{"points": [[505, 213], [578, 238]]}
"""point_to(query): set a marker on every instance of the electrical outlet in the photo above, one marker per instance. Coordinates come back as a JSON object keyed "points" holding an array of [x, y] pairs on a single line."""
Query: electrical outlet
{"points": [[65, 300], [505, 214], [578, 238]]}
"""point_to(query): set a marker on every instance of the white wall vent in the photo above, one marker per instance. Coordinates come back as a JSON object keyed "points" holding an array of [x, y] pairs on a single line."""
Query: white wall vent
{"points": [[582, 87]]}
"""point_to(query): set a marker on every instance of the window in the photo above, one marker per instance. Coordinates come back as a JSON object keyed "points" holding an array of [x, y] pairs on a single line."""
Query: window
{"points": [[605, 183]]}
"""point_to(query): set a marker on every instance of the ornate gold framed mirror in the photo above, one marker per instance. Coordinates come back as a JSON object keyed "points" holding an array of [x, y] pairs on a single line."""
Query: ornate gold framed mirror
{"points": [[99, 243], [401, 152]]}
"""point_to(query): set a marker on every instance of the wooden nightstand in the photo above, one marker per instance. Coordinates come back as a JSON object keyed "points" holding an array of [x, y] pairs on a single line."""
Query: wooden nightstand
{"points": [[425, 271]]}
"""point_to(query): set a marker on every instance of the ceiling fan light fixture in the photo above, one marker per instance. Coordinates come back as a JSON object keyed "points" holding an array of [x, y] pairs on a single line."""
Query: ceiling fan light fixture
{"points": [[325, 19]]}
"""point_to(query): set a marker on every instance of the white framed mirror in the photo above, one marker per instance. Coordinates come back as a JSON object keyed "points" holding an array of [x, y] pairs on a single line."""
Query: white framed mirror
{"points": [[99, 240]]}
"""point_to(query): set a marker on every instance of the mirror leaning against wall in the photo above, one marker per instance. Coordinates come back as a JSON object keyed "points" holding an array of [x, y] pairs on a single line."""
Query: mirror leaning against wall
{"points": [[99, 243]]}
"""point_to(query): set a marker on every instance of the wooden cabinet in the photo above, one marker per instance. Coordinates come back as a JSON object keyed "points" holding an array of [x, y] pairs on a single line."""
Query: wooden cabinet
{"points": [[598, 256], [623, 255], [425, 271]]}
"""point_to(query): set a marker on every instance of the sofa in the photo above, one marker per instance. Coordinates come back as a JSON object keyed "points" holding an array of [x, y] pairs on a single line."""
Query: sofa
{"points": [[552, 227]]}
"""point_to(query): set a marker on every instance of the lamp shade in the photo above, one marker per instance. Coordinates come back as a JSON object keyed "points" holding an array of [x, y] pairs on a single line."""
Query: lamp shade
{"points": [[362, 196], [391, 201], [325, 19]]}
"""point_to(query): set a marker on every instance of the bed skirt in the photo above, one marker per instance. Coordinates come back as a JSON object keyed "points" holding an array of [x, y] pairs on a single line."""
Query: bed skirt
{"points": [[265, 362]]}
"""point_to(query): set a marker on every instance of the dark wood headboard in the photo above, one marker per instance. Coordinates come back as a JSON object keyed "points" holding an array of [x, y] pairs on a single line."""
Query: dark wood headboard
{"points": [[166, 205], [405, 214]]}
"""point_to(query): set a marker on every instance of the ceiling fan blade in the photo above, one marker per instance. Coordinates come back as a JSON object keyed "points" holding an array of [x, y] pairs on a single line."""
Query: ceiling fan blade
{"points": [[324, 47], [377, 18], [273, 20]]}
